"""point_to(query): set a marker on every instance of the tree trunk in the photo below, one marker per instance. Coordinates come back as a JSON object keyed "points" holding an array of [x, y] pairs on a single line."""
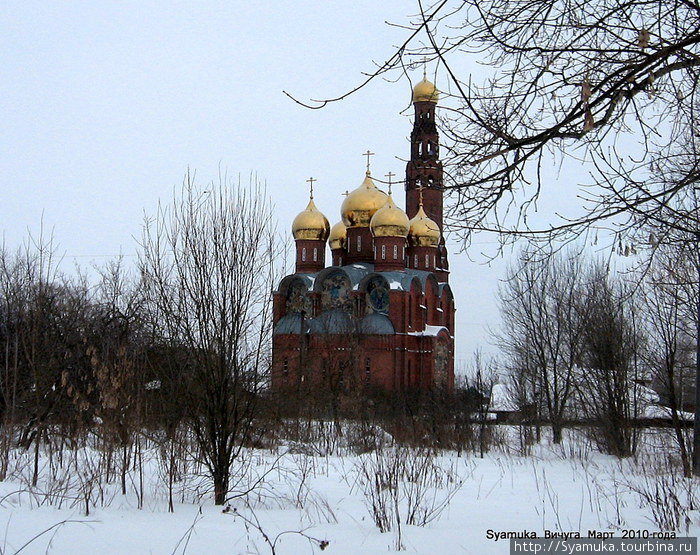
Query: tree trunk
{"points": [[556, 432], [220, 486], [696, 421], [125, 463], [35, 477]]}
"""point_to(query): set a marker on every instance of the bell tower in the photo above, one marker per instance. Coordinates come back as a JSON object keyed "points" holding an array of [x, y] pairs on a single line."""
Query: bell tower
{"points": [[424, 169]]}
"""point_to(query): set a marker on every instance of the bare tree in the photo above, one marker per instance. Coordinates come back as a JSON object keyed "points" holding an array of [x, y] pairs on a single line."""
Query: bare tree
{"points": [[541, 329], [610, 373], [593, 81], [208, 267], [670, 352], [116, 354]]}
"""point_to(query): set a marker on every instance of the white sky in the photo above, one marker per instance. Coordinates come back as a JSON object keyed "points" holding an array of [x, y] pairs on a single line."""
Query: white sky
{"points": [[105, 105]]}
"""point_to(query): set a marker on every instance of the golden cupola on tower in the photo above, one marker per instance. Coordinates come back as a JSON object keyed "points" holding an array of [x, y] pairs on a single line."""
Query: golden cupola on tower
{"points": [[425, 91], [339, 233], [389, 221], [362, 203], [423, 232], [310, 224]]}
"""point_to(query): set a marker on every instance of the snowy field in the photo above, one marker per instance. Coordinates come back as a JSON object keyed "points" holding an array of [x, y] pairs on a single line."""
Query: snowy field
{"points": [[295, 497]]}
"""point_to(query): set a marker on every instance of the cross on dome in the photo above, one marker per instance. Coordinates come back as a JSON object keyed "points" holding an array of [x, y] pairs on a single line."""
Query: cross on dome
{"points": [[368, 154], [310, 181], [389, 176], [425, 61]]}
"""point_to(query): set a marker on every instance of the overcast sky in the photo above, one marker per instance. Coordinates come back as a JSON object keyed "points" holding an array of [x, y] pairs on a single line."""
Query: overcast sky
{"points": [[106, 105]]}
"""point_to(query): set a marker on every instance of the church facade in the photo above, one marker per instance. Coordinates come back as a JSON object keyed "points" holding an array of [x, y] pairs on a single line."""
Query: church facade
{"points": [[382, 314]]}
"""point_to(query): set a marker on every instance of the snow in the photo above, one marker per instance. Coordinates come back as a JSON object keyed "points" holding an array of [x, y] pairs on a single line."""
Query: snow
{"points": [[318, 490], [429, 331], [501, 399], [661, 412]]}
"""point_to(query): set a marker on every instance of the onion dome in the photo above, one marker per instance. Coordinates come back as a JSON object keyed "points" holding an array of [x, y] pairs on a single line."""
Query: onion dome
{"points": [[310, 224], [339, 233], [361, 204], [389, 221], [425, 91], [423, 232]]}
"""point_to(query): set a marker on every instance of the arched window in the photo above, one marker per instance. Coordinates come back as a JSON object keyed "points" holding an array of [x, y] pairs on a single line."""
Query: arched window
{"points": [[315, 254], [368, 370], [303, 254], [359, 243], [383, 252], [426, 260], [396, 252], [285, 366], [415, 261]]}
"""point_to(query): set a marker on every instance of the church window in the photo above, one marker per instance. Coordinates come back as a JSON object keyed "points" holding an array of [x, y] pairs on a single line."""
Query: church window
{"points": [[415, 261], [315, 254], [396, 252], [426, 260], [286, 366], [383, 252], [359, 243], [303, 254]]}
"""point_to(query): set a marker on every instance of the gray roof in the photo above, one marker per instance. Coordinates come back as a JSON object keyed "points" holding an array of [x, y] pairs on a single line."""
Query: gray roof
{"points": [[356, 272], [378, 324], [332, 321], [290, 323]]}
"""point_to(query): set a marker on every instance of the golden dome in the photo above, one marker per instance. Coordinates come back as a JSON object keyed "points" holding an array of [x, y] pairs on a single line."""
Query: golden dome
{"points": [[425, 91], [360, 205], [336, 239], [389, 221], [310, 224], [423, 232]]}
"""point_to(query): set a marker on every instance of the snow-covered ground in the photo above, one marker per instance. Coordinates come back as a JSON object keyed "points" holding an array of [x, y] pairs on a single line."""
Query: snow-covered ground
{"points": [[301, 497]]}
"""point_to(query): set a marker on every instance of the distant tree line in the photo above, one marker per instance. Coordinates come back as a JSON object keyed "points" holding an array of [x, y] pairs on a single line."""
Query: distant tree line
{"points": [[182, 340], [583, 342]]}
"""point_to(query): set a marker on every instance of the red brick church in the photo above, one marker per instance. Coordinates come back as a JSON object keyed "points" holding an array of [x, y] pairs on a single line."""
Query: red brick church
{"points": [[382, 315]]}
